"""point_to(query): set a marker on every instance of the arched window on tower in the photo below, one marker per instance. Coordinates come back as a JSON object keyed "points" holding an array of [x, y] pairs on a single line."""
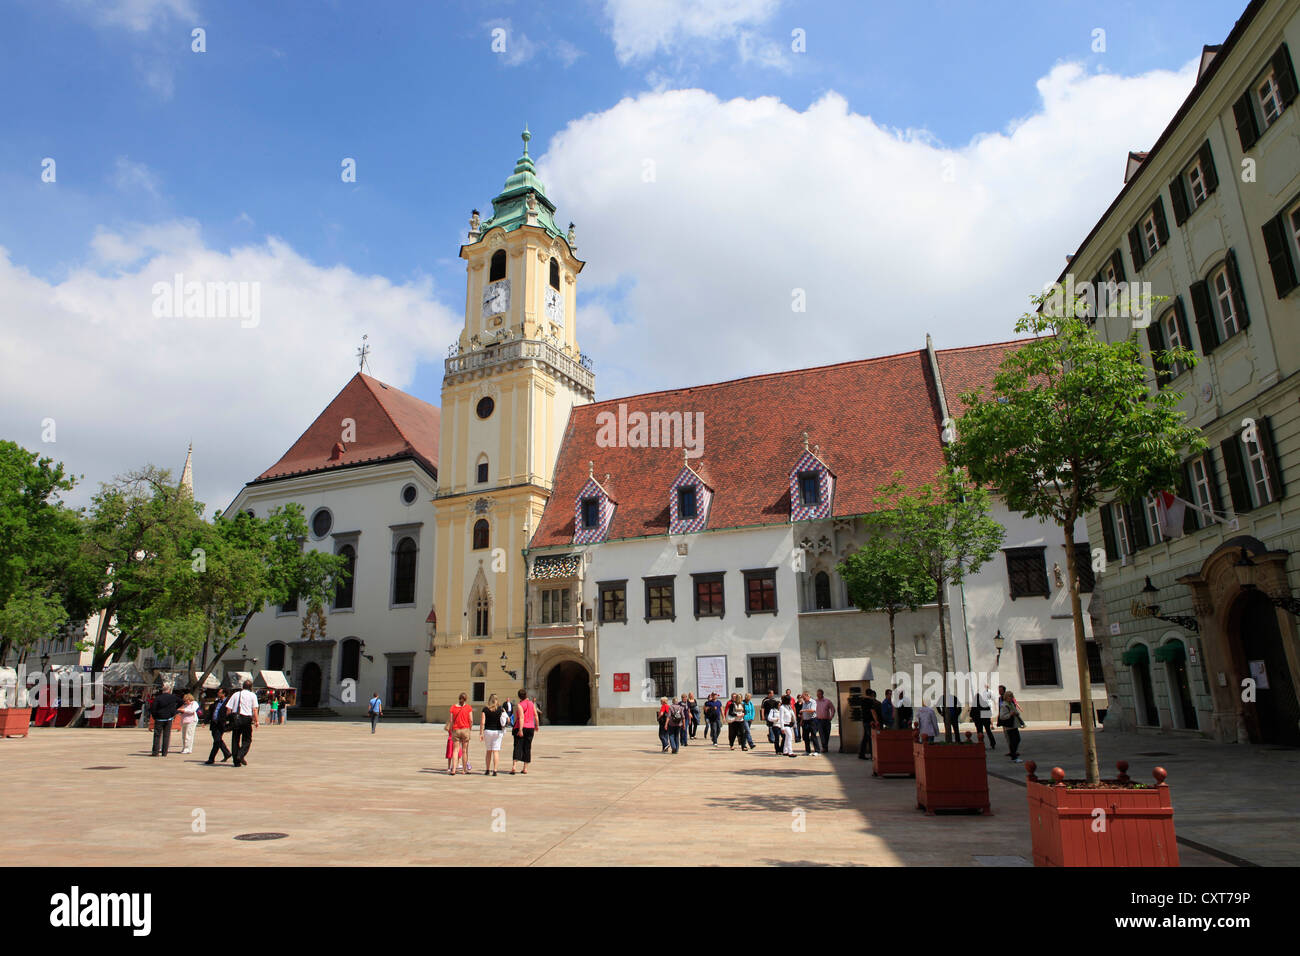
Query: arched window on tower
{"points": [[480, 534], [822, 591], [555, 273], [404, 572], [498, 268]]}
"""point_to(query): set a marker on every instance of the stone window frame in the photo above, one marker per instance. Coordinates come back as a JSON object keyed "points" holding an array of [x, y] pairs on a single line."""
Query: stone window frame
{"points": [[399, 531]]}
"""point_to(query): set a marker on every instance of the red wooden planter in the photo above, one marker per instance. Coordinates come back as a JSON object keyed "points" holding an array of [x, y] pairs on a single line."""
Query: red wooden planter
{"points": [[14, 721], [891, 752], [951, 776], [1138, 823]]}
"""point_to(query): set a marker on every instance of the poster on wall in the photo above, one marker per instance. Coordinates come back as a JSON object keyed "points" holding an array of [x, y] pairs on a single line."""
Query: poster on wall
{"points": [[1260, 675], [711, 676]]}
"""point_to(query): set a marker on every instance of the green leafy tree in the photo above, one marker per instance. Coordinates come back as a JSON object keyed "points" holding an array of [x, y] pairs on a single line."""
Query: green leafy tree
{"points": [[1071, 418], [884, 575], [946, 529]]}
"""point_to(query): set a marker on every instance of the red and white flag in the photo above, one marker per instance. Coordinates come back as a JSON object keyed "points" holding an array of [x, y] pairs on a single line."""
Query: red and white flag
{"points": [[1169, 513]]}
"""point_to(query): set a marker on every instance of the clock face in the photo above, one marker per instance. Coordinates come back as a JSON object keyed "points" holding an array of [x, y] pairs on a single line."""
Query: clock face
{"points": [[555, 306], [496, 298]]}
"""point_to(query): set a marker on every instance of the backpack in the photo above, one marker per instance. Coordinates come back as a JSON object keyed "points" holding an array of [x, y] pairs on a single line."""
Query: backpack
{"points": [[675, 715]]}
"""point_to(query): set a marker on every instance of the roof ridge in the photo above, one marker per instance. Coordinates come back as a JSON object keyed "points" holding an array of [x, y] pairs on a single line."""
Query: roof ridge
{"points": [[986, 345], [367, 380]]}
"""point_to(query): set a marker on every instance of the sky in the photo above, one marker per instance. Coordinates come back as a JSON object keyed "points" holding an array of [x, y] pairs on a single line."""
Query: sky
{"points": [[896, 169]]}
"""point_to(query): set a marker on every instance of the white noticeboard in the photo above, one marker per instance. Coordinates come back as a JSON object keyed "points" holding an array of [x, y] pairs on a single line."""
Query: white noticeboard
{"points": [[711, 676], [1260, 674]]}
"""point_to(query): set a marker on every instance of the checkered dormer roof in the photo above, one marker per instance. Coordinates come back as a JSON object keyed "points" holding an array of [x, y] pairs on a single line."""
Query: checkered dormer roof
{"points": [[583, 535], [808, 462], [703, 498]]}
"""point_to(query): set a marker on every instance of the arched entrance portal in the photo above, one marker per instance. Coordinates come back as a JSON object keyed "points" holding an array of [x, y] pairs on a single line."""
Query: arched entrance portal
{"points": [[568, 694], [1256, 646], [309, 686]]}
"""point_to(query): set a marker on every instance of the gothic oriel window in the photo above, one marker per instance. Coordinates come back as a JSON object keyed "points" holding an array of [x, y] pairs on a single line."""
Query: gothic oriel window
{"points": [[822, 591], [498, 267], [481, 615]]}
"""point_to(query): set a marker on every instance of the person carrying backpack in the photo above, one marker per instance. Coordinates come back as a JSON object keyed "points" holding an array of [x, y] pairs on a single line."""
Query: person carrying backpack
{"points": [[667, 735]]}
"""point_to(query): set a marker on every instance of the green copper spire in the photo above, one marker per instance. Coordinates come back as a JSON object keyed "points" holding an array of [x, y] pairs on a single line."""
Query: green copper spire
{"points": [[510, 208]]}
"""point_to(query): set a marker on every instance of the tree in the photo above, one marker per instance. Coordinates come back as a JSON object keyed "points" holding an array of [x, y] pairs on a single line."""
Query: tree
{"points": [[884, 575], [945, 527], [1071, 418]]}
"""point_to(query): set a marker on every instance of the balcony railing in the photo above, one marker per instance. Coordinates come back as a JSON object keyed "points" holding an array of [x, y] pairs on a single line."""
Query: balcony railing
{"points": [[577, 369]]}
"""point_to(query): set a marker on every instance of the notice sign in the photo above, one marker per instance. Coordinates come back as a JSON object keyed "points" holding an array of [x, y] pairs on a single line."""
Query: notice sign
{"points": [[711, 676], [110, 715], [1260, 674], [622, 683]]}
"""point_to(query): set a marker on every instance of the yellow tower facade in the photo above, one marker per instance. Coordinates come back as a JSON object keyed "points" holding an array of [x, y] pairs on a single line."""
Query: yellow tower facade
{"points": [[509, 383]]}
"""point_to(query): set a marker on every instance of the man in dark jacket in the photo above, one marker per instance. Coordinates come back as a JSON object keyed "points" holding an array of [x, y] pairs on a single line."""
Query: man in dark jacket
{"points": [[870, 718], [769, 704], [163, 711], [216, 721]]}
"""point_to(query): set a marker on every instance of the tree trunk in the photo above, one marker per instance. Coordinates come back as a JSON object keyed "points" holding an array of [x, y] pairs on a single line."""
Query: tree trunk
{"points": [[893, 653], [943, 647], [1091, 767], [197, 688]]}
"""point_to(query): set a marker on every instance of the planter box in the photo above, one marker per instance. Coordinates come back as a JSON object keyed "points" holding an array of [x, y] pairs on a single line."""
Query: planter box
{"points": [[891, 752], [1138, 822], [951, 776], [14, 721]]}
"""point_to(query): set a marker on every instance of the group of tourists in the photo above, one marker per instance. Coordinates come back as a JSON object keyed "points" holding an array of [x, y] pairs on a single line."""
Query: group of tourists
{"points": [[789, 719], [236, 716], [497, 719], [895, 712]]}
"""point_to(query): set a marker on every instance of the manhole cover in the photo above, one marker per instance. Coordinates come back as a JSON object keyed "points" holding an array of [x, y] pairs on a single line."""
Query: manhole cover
{"points": [[261, 836], [1157, 753], [105, 768]]}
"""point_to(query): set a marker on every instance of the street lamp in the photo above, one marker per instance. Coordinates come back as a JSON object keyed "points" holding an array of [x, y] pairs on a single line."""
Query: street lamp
{"points": [[998, 641], [1151, 608], [514, 675], [1245, 569]]}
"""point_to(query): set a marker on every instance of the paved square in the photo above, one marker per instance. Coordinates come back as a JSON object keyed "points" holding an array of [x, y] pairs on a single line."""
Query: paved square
{"points": [[594, 795]]}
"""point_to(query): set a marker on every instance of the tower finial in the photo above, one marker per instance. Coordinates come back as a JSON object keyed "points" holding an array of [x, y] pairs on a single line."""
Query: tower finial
{"points": [[591, 469], [526, 136], [805, 441]]}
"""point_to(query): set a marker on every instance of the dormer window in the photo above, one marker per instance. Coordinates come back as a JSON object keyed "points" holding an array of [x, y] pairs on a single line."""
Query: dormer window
{"points": [[812, 487], [498, 268], [555, 273], [591, 512], [686, 505], [810, 493]]}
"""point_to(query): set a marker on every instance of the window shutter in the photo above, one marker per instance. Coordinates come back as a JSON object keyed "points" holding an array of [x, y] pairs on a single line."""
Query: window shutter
{"points": [[1279, 254], [1268, 447], [1178, 193], [1162, 227], [1206, 156], [1156, 340], [1212, 476], [1238, 293], [1108, 533], [1136, 513], [1117, 261], [1233, 465], [1136, 249], [1191, 519], [1205, 325], [1247, 127], [1286, 84], [1180, 317]]}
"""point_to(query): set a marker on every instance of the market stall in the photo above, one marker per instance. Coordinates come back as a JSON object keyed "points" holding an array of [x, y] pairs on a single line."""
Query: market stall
{"points": [[124, 693], [275, 683], [15, 714]]}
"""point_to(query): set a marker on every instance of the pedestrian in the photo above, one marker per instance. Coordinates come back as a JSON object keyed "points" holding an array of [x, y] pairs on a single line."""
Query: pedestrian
{"points": [[217, 721], [887, 708], [927, 721], [825, 713], [794, 703], [243, 708], [812, 738], [667, 733], [735, 717], [870, 718], [526, 721], [678, 720], [1010, 720], [713, 717], [273, 701], [376, 710], [981, 712], [692, 713], [491, 729], [769, 704], [460, 719], [903, 709], [951, 717], [749, 720], [786, 720], [162, 712], [189, 711]]}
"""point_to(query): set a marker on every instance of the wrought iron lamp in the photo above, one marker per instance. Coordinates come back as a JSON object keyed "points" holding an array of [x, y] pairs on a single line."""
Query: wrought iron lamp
{"points": [[999, 642], [514, 675], [1149, 607], [1246, 570]]}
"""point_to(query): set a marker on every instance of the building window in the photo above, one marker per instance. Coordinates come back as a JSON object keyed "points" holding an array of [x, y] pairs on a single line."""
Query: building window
{"points": [[1270, 99], [478, 682], [613, 602], [1225, 313], [275, 656], [591, 512], [1095, 674], [1149, 234], [555, 606], [1122, 530], [1038, 663], [1200, 473], [481, 615], [350, 660], [344, 590], [480, 534], [404, 571], [1257, 468], [1196, 191], [659, 599], [760, 591], [498, 268], [764, 674], [555, 273], [1027, 572], [686, 502], [810, 489], [485, 407], [664, 676], [482, 475], [821, 591], [1173, 326], [409, 494], [1083, 567], [289, 607], [321, 522], [1153, 518], [708, 595]]}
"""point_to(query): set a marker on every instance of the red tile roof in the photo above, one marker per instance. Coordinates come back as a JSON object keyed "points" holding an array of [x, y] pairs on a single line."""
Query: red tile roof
{"points": [[869, 418], [389, 424], [963, 370]]}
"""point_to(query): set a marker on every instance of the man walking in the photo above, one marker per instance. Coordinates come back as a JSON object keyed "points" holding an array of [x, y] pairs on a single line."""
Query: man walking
{"points": [[808, 715], [870, 718], [981, 713], [377, 711], [927, 721], [887, 708], [713, 717], [903, 708], [243, 708], [769, 704], [216, 724], [825, 712], [163, 711]]}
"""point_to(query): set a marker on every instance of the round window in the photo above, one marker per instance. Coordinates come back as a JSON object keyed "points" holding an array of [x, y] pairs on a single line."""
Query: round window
{"points": [[321, 522], [485, 407], [408, 494]]}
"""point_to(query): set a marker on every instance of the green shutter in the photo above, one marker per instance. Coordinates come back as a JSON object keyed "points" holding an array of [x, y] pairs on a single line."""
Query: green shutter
{"points": [[1178, 194], [1156, 341], [1191, 519], [1268, 446], [1285, 73], [1180, 318], [1206, 156], [1279, 254], [1234, 465], [1162, 227], [1134, 655], [1136, 249], [1247, 127], [1117, 260], [1205, 326], [1136, 514], [1171, 652], [1238, 293]]}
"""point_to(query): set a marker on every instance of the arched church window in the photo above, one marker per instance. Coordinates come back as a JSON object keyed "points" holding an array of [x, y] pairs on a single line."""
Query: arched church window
{"points": [[482, 471], [822, 589], [404, 572], [555, 273], [275, 656], [498, 267], [480, 534], [350, 660], [344, 590], [481, 615]]}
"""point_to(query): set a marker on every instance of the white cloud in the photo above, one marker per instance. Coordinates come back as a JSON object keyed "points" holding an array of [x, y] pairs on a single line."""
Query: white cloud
{"points": [[753, 199], [139, 16], [125, 388], [642, 28], [129, 175]]}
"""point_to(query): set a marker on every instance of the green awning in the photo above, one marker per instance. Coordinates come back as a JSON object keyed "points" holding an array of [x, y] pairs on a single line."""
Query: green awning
{"points": [[1136, 654], [1173, 652]]}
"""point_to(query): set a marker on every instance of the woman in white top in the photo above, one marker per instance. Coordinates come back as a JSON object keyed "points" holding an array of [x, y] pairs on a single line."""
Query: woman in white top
{"points": [[189, 721], [785, 723]]}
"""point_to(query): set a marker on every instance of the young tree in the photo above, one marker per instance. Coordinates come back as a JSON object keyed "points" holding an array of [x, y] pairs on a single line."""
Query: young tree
{"points": [[886, 576], [946, 528], [1071, 417]]}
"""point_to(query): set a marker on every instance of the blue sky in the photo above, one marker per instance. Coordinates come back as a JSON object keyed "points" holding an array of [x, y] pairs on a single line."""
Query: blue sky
{"points": [[162, 152]]}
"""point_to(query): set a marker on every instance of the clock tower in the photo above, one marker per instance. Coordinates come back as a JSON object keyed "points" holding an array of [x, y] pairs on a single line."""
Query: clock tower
{"points": [[510, 380]]}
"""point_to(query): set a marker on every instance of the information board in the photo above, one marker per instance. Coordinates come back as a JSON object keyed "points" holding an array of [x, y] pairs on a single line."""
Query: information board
{"points": [[710, 676]]}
